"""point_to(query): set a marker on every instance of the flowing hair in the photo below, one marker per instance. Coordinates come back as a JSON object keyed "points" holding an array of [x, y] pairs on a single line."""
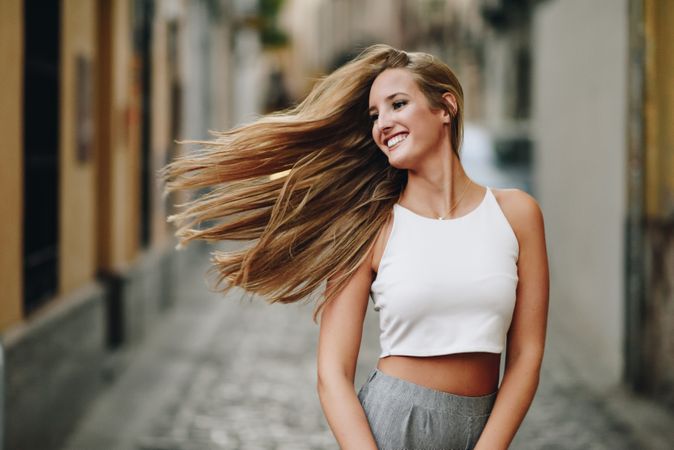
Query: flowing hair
{"points": [[307, 185]]}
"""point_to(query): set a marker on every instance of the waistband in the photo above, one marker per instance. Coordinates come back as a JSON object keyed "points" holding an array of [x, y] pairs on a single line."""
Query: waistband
{"points": [[416, 394]]}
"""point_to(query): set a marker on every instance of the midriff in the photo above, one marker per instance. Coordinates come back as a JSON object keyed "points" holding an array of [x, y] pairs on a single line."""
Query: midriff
{"points": [[468, 374]]}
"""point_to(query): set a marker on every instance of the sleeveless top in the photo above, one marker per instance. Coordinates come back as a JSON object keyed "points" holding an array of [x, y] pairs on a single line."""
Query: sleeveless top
{"points": [[447, 286]]}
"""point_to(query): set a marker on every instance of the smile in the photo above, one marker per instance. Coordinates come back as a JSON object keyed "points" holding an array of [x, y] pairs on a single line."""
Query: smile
{"points": [[395, 140]]}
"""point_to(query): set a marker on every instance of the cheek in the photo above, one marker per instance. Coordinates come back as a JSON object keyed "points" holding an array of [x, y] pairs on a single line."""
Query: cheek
{"points": [[375, 137]]}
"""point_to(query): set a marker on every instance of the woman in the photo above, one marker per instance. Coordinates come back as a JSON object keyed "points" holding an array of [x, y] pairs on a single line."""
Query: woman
{"points": [[361, 185]]}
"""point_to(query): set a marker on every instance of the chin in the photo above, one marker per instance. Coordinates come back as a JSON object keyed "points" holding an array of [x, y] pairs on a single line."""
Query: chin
{"points": [[398, 163], [396, 160]]}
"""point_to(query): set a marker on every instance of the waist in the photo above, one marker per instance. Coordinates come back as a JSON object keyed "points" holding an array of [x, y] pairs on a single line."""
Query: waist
{"points": [[468, 374]]}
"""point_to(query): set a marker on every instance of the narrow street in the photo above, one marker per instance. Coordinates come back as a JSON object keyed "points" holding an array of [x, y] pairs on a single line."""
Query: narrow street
{"points": [[110, 339], [233, 374]]}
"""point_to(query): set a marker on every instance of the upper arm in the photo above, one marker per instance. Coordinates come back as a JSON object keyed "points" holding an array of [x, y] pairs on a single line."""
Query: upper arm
{"points": [[528, 327], [341, 324]]}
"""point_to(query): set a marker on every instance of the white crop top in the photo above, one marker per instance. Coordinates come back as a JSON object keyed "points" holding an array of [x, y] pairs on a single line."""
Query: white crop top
{"points": [[447, 286]]}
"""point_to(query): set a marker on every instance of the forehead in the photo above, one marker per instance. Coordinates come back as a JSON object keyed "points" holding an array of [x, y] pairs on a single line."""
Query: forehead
{"points": [[391, 81]]}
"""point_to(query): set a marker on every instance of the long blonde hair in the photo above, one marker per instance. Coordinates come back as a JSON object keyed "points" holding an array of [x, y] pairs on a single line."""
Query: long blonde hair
{"points": [[319, 219]]}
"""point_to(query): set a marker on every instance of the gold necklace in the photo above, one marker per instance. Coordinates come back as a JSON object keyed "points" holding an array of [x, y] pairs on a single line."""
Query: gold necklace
{"points": [[465, 187]]}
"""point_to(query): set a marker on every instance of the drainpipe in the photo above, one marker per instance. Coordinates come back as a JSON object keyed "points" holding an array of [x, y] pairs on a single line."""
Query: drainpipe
{"points": [[634, 232], [2, 396]]}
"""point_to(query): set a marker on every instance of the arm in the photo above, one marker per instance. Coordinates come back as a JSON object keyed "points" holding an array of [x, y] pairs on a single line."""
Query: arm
{"points": [[526, 336], [341, 328]]}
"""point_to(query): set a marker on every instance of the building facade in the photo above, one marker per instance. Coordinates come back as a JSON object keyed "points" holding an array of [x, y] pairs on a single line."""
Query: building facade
{"points": [[600, 93], [579, 129], [94, 96]]}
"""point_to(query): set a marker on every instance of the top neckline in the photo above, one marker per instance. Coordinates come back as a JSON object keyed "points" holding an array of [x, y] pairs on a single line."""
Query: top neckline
{"points": [[451, 219]]}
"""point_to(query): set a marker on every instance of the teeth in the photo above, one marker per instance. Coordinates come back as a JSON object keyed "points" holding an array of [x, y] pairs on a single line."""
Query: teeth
{"points": [[395, 139]]}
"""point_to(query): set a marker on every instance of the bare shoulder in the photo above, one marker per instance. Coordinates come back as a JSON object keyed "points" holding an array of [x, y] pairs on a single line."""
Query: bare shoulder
{"points": [[522, 211]]}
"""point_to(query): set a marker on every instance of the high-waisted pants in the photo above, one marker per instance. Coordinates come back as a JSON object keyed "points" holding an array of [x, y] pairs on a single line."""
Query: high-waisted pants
{"points": [[406, 416]]}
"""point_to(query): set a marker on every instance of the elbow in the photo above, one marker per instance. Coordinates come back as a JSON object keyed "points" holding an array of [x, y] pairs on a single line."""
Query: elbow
{"points": [[529, 358], [320, 384], [328, 379], [323, 381], [526, 369]]}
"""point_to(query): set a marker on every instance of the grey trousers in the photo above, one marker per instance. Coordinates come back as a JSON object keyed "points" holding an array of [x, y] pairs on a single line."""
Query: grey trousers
{"points": [[407, 416]]}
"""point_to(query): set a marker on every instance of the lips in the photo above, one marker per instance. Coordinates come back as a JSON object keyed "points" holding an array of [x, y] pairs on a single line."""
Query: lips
{"points": [[396, 139]]}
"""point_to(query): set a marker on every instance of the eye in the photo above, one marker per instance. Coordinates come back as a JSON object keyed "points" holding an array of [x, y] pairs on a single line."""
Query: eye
{"points": [[374, 117], [399, 104]]}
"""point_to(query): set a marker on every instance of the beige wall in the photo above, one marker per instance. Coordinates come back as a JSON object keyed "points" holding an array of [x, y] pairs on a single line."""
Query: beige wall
{"points": [[221, 81], [126, 145], [161, 139], [11, 169], [659, 108], [579, 129], [118, 153], [77, 228]]}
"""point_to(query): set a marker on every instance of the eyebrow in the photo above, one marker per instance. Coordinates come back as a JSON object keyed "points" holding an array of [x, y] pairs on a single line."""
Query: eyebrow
{"points": [[387, 98]]}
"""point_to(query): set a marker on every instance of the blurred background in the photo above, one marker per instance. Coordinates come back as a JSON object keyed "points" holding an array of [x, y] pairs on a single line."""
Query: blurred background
{"points": [[111, 338]]}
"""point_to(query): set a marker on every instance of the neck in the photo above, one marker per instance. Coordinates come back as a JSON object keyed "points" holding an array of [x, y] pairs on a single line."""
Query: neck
{"points": [[438, 189]]}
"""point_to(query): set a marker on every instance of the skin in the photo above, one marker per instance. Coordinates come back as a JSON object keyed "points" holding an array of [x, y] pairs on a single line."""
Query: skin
{"points": [[436, 180]]}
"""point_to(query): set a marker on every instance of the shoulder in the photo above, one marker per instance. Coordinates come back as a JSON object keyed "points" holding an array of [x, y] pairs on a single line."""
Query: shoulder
{"points": [[522, 211]]}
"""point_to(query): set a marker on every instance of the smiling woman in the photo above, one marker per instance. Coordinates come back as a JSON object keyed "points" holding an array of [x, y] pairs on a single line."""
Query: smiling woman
{"points": [[404, 118], [344, 188]]}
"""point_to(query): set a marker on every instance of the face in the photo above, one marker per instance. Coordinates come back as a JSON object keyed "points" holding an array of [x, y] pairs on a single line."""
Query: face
{"points": [[404, 126]]}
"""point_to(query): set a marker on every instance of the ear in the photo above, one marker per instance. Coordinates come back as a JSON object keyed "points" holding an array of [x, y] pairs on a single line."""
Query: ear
{"points": [[450, 100]]}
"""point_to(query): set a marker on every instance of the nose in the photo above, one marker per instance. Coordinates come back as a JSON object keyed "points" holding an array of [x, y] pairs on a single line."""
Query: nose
{"points": [[384, 122]]}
